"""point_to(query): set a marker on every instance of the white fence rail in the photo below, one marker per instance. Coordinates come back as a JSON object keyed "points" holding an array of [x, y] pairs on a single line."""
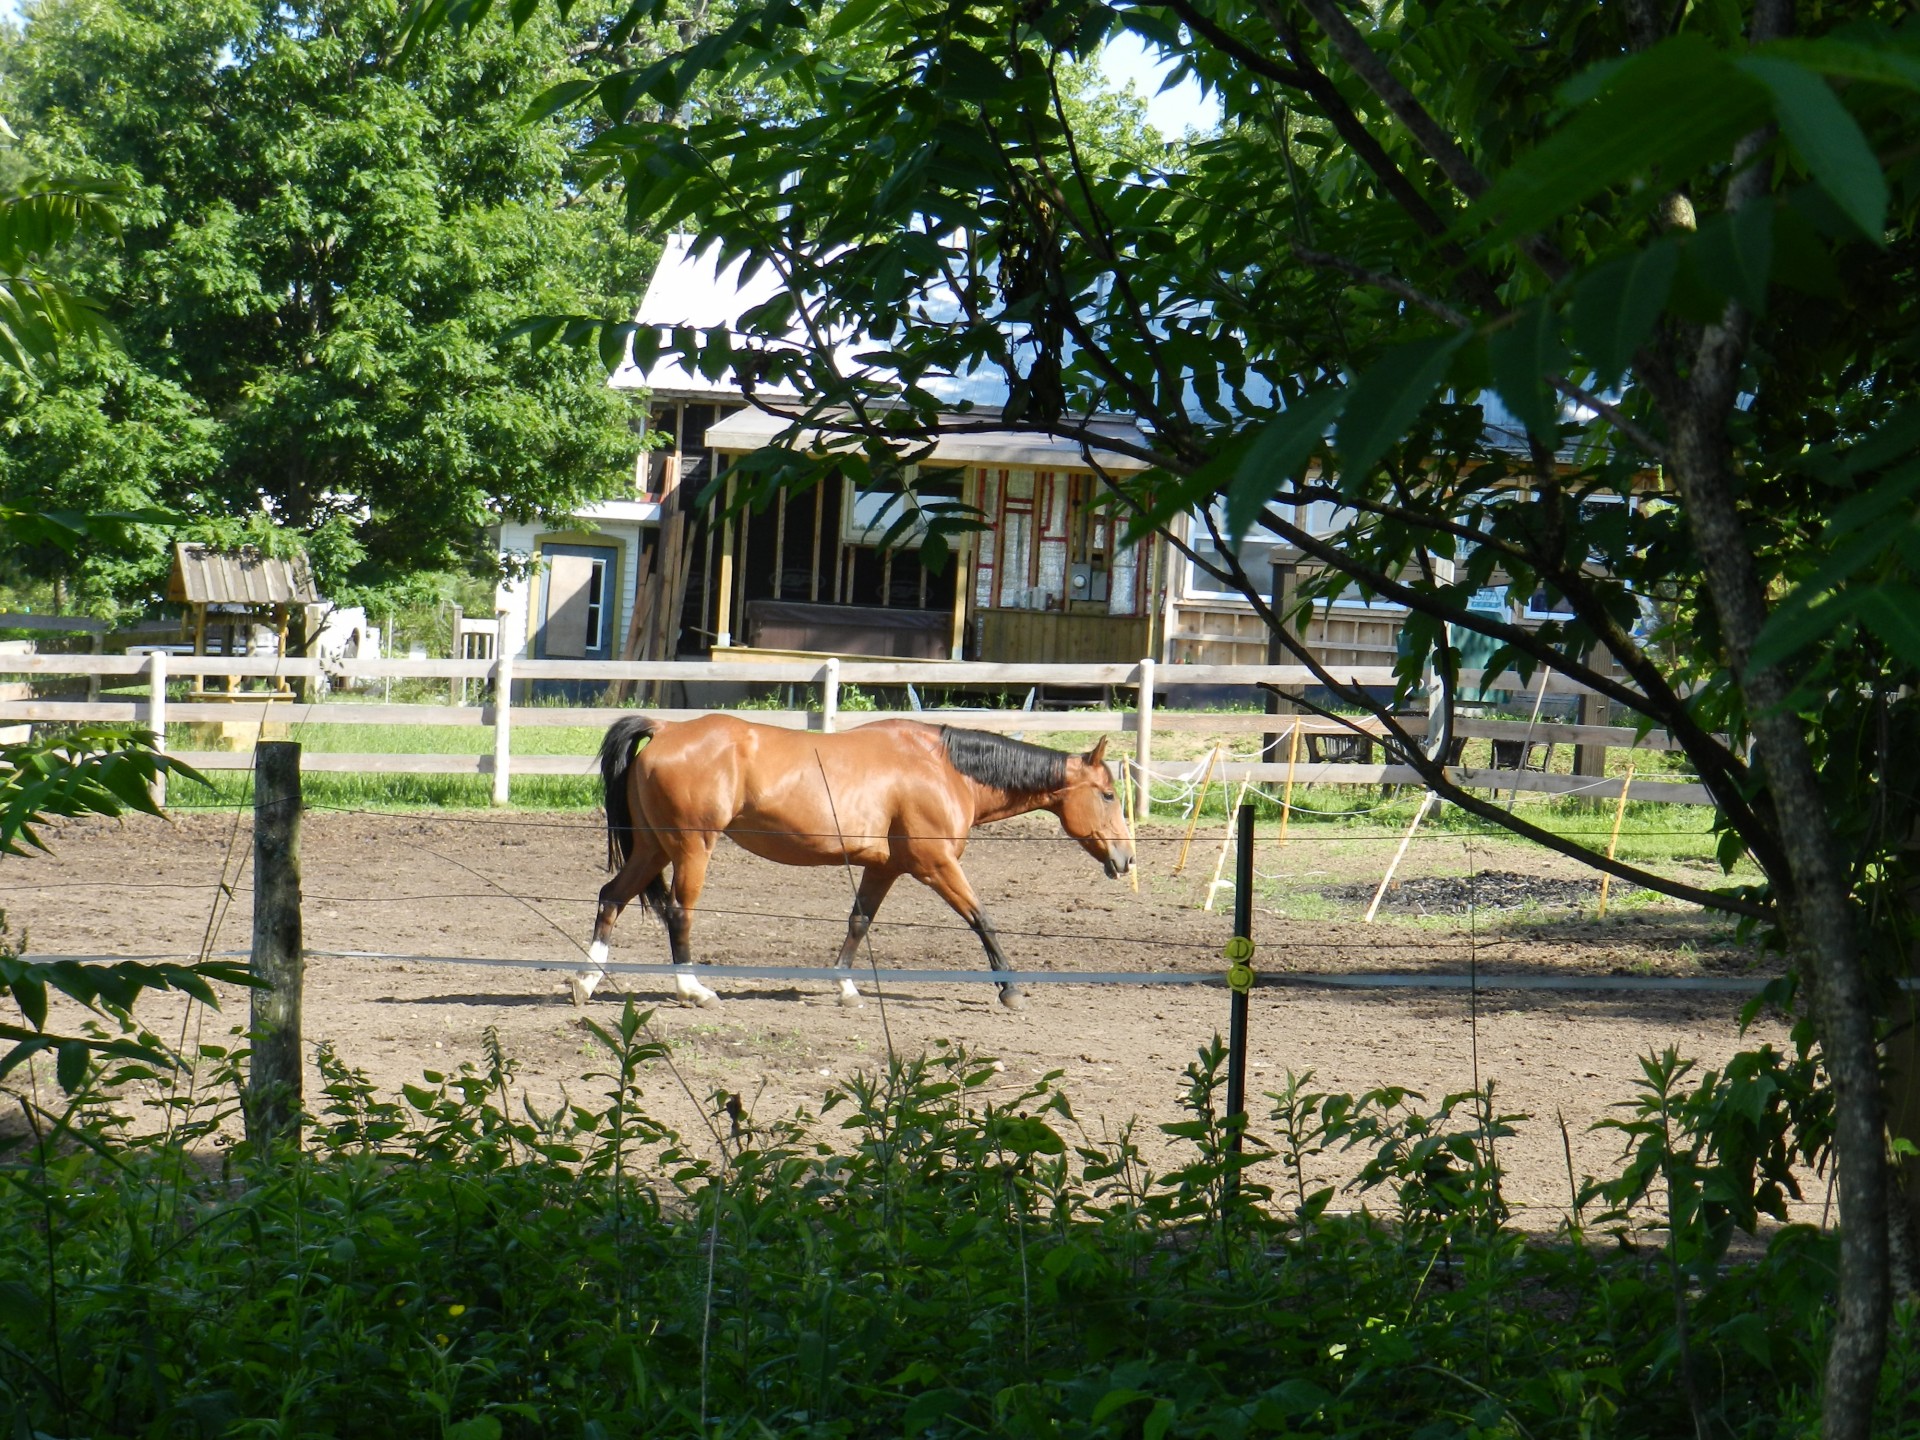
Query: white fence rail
{"points": [[155, 710]]}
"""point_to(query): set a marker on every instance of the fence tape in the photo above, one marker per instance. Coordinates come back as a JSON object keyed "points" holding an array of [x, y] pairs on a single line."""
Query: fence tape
{"points": [[1301, 980]]}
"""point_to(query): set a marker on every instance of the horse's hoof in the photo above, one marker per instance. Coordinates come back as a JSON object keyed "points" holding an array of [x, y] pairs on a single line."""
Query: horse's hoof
{"points": [[690, 991], [849, 996], [1013, 999], [580, 990]]}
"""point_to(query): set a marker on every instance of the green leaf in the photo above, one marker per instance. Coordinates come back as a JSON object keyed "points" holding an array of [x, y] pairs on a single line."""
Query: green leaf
{"points": [[71, 1067], [1279, 452], [1383, 402], [1615, 307], [1733, 254], [1025, 1135], [556, 98], [931, 1408], [1798, 623], [1891, 610], [1855, 62], [1116, 1400], [1827, 139], [477, 1427], [852, 16], [1522, 356]]}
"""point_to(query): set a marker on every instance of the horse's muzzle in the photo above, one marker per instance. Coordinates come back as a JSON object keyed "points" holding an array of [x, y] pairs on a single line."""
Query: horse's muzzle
{"points": [[1118, 864]]}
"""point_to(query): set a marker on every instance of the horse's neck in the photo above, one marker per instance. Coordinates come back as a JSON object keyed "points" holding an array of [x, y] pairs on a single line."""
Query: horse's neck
{"points": [[991, 803]]}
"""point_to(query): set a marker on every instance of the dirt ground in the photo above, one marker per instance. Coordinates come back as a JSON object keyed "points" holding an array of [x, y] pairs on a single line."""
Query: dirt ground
{"points": [[517, 886]]}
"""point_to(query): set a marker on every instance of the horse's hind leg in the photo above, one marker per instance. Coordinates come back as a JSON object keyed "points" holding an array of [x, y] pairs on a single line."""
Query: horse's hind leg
{"points": [[949, 882], [689, 877], [641, 872], [874, 884]]}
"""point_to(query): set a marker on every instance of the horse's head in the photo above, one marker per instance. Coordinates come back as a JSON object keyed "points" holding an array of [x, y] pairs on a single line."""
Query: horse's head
{"points": [[1089, 810]]}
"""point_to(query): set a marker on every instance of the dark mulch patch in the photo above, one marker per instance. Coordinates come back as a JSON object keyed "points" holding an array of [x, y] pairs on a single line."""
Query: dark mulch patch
{"points": [[1488, 890]]}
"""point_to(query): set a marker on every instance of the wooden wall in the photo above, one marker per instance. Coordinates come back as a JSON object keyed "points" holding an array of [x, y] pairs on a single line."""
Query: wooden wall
{"points": [[1233, 635]]}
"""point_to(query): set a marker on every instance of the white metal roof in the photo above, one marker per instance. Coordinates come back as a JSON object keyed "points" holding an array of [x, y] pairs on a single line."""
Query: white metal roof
{"points": [[696, 291], [1022, 449]]}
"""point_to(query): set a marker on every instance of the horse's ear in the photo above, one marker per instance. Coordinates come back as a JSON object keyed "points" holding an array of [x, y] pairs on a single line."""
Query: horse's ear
{"points": [[1095, 755]]}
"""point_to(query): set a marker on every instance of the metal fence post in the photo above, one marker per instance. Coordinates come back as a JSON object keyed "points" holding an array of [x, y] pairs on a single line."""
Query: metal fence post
{"points": [[273, 1082], [1240, 982], [502, 725], [1143, 745], [157, 717], [829, 695]]}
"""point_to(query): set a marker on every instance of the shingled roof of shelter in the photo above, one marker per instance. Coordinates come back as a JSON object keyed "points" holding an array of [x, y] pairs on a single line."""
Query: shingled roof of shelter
{"points": [[205, 576]]}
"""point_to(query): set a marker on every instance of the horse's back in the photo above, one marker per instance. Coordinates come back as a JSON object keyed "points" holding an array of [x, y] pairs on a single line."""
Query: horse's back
{"points": [[781, 793]]}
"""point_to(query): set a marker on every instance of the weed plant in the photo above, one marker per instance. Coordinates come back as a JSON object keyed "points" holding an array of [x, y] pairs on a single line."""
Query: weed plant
{"points": [[934, 1254]]}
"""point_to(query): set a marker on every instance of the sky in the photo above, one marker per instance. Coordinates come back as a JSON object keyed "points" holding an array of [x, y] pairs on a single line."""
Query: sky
{"points": [[1171, 112]]}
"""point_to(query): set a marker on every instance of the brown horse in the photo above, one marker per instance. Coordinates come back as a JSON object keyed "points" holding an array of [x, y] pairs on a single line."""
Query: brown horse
{"points": [[893, 798]]}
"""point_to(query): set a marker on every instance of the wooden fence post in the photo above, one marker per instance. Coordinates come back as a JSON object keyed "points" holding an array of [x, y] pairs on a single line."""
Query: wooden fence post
{"points": [[1594, 710], [1143, 745], [829, 696], [157, 717], [502, 724], [273, 1082]]}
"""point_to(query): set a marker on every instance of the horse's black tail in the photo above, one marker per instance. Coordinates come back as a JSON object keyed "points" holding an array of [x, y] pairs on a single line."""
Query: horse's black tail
{"points": [[616, 757]]}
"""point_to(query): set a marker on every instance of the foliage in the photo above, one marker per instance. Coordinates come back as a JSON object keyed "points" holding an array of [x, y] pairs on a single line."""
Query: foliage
{"points": [[40, 214], [317, 264], [929, 1255], [89, 770]]}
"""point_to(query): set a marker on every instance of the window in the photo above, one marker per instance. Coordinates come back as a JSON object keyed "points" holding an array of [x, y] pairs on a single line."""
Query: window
{"points": [[869, 512], [596, 603], [1320, 518]]}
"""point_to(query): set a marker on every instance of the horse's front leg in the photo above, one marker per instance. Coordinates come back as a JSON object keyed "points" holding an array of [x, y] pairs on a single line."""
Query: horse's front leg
{"points": [[946, 880], [874, 885]]}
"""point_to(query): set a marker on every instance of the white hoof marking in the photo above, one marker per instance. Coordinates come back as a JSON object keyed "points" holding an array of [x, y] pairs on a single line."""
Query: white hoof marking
{"points": [[690, 989], [850, 994], [584, 982]]}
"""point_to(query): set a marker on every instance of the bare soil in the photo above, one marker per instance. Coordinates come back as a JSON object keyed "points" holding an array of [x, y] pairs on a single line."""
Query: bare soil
{"points": [[517, 886]]}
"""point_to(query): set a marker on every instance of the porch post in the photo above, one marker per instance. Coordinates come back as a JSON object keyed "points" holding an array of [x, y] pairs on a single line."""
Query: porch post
{"points": [[723, 618], [1284, 562]]}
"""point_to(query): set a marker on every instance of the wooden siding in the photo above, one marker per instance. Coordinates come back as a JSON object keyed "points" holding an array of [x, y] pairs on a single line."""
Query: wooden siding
{"points": [[1059, 637]]}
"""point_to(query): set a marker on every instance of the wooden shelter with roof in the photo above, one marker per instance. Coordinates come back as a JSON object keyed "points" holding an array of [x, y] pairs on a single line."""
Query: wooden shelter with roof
{"points": [[229, 594]]}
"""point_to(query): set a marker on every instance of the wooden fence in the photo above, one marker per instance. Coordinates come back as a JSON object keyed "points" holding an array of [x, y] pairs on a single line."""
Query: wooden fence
{"points": [[1143, 679]]}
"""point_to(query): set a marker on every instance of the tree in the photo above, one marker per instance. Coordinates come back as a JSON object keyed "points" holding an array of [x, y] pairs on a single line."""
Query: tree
{"points": [[319, 265], [1666, 238]]}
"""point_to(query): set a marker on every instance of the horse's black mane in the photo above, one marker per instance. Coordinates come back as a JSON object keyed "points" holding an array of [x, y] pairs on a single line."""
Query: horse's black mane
{"points": [[1006, 764]]}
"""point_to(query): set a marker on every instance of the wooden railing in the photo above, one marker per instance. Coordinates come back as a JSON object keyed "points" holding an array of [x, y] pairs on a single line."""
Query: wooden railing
{"points": [[156, 710]]}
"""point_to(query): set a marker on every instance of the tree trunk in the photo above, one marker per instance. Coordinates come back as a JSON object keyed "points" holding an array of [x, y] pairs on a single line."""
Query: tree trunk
{"points": [[1815, 895]]}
